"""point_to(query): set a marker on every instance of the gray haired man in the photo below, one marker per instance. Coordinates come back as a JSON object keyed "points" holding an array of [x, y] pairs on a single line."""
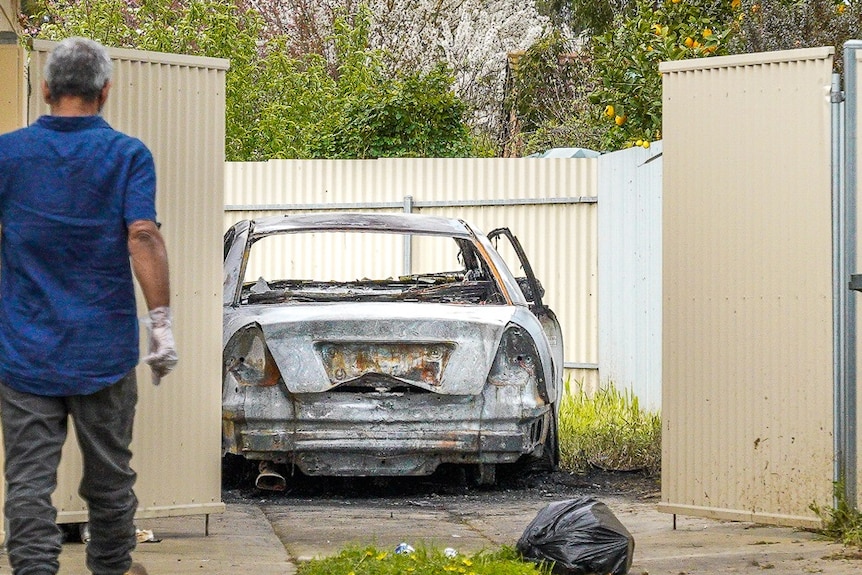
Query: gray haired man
{"points": [[77, 210]]}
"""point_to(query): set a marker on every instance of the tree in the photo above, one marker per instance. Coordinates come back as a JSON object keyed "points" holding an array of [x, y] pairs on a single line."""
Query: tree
{"points": [[627, 55], [472, 37], [197, 27], [280, 105], [547, 98], [766, 25], [411, 114], [627, 58], [584, 16]]}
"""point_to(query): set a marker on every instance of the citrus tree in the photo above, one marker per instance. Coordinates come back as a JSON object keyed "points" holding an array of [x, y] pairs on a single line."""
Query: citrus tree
{"points": [[627, 59]]}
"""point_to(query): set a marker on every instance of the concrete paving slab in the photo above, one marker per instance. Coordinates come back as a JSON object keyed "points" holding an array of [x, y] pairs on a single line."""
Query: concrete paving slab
{"points": [[323, 530], [241, 540]]}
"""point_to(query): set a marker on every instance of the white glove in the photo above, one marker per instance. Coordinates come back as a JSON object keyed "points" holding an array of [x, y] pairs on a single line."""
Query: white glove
{"points": [[163, 352]]}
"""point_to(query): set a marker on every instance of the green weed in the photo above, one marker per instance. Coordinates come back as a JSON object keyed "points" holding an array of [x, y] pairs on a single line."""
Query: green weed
{"points": [[372, 561], [842, 523], [608, 430]]}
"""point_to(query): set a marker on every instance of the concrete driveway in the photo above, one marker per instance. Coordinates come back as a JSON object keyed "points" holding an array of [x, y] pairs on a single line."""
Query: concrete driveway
{"points": [[267, 538]]}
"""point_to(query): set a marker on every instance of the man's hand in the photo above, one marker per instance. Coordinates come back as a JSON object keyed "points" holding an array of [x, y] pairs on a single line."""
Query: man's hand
{"points": [[163, 353]]}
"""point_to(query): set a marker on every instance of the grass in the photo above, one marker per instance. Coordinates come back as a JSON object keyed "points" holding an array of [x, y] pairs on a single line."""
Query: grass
{"points": [[372, 561], [842, 523], [608, 430]]}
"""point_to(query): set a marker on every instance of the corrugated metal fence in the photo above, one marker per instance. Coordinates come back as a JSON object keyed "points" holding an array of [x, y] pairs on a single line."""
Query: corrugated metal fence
{"points": [[747, 260], [629, 239], [550, 204], [172, 103]]}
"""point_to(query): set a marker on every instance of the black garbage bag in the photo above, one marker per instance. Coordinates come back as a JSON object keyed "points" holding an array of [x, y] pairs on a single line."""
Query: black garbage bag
{"points": [[579, 536]]}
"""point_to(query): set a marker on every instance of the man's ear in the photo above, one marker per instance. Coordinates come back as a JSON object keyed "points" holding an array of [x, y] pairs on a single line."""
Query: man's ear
{"points": [[46, 92], [103, 95]]}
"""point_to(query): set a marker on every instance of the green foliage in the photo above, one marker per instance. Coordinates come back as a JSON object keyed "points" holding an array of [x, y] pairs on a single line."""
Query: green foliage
{"points": [[766, 25], [549, 86], [371, 561], [543, 77], [608, 430], [198, 27], [291, 108], [627, 104], [627, 58], [411, 115], [842, 523], [482, 144], [278, 106], [593, 16], [383, 115]]}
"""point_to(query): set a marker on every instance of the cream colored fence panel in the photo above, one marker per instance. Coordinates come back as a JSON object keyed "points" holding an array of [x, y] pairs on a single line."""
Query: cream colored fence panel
{"points": [[8, 16], [630, 271], [12, 92], [548, 203], [747, 279], [12, 86], [175, 105]]}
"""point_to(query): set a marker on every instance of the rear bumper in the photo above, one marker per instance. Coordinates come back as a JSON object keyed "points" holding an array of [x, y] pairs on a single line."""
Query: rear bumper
{"points": [[340, 435]]}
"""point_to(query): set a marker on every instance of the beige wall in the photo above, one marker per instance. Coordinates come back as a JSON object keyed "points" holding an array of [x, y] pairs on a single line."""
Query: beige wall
{"points": [[550, 204], [175, 104], [12, 88], [8, 15], [747, 280]]}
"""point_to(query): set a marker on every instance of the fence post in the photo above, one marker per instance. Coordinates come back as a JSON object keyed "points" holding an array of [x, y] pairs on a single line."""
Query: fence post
{"points": [[408, 244], [845, 392]]}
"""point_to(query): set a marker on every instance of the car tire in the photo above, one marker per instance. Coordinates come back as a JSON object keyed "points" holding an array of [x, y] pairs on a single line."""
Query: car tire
{"points": [[551, 448]]}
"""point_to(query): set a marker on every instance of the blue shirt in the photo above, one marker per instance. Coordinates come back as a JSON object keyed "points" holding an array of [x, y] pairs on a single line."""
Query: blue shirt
{"points": [[69, 188]]}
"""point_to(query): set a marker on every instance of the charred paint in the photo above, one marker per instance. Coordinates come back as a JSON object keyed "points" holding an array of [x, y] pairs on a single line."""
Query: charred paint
{"points": [[423, 363]]}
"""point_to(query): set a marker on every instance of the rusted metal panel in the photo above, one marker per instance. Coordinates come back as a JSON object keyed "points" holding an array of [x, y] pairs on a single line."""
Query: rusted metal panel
{"points": [[747, 280], [174, 104], [416, 364], [549, 203]]}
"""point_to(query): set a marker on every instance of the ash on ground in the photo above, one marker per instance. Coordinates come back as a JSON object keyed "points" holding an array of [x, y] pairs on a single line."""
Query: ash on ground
{"points": [[512, 484]]}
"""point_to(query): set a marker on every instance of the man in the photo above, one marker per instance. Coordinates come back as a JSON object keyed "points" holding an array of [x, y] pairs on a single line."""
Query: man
{"points": [[77, 203]]}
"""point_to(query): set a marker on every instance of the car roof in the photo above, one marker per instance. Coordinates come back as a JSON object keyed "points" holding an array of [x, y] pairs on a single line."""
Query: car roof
{"points": [[356, 221]]}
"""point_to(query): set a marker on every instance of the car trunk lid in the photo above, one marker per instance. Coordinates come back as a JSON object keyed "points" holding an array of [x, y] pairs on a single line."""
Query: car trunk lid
{"points": [[384, 346]]}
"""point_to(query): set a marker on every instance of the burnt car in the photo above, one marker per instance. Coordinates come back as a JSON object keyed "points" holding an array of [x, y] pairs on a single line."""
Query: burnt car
{"points": [[384, 345]]}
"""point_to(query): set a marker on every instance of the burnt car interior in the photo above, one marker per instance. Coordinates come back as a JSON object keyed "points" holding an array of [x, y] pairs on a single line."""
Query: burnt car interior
{"points": [[472, 284]]}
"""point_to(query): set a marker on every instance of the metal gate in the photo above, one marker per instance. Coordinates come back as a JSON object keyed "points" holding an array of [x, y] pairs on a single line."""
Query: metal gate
{"points": [[759, 404], [175, 105]]}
